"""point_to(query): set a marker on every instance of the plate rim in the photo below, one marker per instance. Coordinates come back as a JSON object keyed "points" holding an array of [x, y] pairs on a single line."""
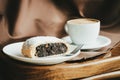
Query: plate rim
{"points": [[100, 36], [34, 60]]}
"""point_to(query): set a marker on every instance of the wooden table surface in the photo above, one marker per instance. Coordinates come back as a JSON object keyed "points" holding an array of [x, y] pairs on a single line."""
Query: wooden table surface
{"points": [[94, 68]]}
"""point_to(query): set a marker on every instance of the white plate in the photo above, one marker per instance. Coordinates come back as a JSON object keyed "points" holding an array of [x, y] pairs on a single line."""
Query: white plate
{"points": [[101, 41], [14, 51]]}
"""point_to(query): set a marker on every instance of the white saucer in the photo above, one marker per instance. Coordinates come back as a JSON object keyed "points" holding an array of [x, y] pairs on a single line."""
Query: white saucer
{"points": [[14, 51], [101, 41]]}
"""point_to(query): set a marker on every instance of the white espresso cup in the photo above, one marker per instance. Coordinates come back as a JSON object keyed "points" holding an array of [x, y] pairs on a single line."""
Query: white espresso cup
{"points": [[83, 30]]}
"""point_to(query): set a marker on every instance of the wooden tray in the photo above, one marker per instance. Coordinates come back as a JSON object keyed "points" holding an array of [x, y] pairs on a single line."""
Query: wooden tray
{"points": [[110, 61]]}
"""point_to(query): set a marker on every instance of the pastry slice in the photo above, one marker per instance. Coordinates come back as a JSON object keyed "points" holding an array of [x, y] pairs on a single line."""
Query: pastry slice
{"points": [[43, 46]]}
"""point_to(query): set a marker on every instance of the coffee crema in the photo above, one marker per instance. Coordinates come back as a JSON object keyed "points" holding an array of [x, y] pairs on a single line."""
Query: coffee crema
{"points": [[83, 21]]}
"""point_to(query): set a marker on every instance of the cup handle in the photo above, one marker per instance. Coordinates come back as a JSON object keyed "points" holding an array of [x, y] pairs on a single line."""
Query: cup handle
{"points": [[66, 29]]}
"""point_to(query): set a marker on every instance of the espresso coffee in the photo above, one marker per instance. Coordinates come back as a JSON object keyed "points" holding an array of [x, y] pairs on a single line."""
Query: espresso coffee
{"points": [[82, 21], [83, 30]]}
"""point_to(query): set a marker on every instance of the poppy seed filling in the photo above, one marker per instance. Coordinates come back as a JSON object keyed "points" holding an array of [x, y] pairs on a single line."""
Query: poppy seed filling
{"points": [[50, 49]]}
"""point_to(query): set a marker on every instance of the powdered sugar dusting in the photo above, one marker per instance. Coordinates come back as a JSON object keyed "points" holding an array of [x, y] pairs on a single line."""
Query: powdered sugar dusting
{"points": [[42, 40]]}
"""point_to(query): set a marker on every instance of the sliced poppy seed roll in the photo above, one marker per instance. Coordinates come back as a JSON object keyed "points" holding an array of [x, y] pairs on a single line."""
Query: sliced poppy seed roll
{"points": [[43, 46]]}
